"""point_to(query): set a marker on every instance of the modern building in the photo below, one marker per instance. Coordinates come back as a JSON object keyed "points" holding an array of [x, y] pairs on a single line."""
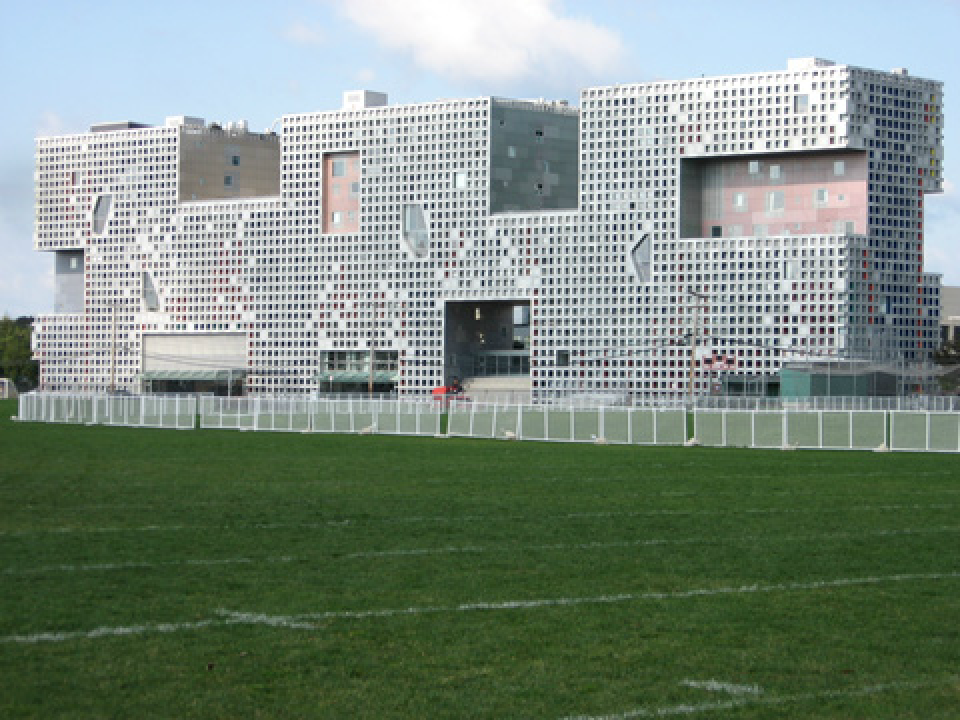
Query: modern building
{"points": [[742, 221], [949, 314]]}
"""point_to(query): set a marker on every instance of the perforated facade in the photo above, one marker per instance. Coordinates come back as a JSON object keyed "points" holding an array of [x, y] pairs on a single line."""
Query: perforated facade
{"points": [[768, 216]]}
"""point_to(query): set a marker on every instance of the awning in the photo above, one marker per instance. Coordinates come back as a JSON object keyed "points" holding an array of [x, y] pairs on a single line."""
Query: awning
{"points": [[351, 376], [195, 375]]}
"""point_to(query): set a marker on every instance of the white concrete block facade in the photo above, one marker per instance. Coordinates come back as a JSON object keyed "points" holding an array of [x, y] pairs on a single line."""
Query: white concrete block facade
{"points": [[791, 201]]}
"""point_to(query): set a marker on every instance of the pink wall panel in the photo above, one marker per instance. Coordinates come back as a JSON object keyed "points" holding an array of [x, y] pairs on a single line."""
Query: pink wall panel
{"points": [[341, 193], [811, 194]]}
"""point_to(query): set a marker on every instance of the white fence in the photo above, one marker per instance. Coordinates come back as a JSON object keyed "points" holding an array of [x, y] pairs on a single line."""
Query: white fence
{"points": [[535, 422], [302, 414], [157, 411], [906, 430]]}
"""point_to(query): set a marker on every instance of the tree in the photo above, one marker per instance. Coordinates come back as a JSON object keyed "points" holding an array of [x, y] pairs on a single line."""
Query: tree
{"points": [[16, 361], [949, 356]]}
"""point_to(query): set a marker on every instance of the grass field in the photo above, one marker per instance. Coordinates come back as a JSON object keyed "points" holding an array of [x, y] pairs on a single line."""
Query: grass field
{"points": [[218, 574]]}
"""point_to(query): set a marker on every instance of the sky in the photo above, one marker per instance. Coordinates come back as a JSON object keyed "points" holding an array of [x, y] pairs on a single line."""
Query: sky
{"points": [[66, 64]]}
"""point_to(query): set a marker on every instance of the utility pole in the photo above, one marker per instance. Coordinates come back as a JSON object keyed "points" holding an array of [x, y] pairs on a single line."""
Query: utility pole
{"points": [[694, 337], [373, 351], [113, 353]]}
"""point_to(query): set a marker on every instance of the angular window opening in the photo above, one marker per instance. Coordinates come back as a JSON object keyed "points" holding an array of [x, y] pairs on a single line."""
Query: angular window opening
{"points": [[640, 258], [415, 233], [339, 167], [101, 210], [460, 180], [149, 294], [228, 180], [839, 168]]}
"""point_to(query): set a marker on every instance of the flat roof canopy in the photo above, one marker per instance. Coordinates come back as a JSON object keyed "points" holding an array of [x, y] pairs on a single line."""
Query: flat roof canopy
{"points": [[349, 376], [199, 374]]}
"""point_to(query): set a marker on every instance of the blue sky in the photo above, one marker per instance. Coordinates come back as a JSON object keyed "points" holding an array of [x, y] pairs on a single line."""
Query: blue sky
{"points": [[65, 65]]}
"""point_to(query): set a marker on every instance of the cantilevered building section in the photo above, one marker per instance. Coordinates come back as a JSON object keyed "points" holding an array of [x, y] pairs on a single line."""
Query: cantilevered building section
{"points": [[523, 244]]}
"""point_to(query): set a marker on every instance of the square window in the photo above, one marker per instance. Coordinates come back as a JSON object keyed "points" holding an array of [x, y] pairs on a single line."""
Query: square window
{"points": [[753, 167], [235, 160], [774, 172], [339, 167], [839, 167], [228, 180]]}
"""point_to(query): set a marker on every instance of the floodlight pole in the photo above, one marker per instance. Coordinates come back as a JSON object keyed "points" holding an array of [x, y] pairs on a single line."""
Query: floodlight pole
{"points": [[694, 336]]}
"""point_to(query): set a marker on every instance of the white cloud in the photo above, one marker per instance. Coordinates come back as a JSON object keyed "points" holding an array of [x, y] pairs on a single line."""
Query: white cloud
{"points": [[49, 123], [942, 235], [491, 41], [300, 33], [365, 77]]}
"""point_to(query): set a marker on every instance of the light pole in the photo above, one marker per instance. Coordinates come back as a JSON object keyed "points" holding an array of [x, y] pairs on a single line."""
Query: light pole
{"points": [[694, 336]]}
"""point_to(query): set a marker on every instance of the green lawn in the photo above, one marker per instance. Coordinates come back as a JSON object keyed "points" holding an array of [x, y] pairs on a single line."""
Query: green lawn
{"points": [[219, 574]]}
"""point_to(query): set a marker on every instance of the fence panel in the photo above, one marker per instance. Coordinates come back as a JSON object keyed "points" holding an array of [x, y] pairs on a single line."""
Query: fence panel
{"points": [[803, 429], [768, 429], [708, 427], [643, 427], [559, 425], [671, 427], [945, 432], [868, 429], [586, 425], [739, 426], [908, 431], [533, 421], [837, 429], [342, 417], [507, 421], [482, 421], [616, 425], [459, 419]]}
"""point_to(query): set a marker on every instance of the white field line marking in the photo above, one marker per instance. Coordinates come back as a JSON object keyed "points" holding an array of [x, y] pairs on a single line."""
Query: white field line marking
{"points": [[485, 518], [102, 632], [477, 549], [308, 621], [176, 528], [681, 710], [609, 599], [94, 567], [651, 542], [724, 687]]}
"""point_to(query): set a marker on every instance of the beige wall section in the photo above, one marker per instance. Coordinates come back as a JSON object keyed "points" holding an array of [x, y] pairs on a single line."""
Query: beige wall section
{"points": [[215, 164], [196, 351]]}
